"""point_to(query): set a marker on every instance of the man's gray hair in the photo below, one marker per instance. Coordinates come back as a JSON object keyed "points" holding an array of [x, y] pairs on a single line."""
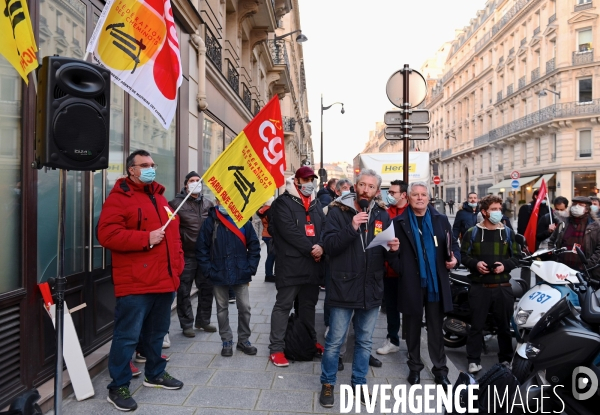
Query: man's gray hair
{"points": [[418, 184], [369, 172], [341, 182]]}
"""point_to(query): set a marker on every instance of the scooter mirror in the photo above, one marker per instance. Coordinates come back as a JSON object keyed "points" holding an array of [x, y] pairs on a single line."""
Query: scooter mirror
{"points": [[581, 255]]}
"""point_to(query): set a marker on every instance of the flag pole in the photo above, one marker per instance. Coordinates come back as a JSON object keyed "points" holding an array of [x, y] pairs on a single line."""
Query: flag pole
{"points": [[548, 201], [179, 207]]}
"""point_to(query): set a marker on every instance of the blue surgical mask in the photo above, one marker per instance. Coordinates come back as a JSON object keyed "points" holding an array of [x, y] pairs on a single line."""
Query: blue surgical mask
{"points": [[391, 199], [594, 208], [473, 205], [345, 192], [495, 217], [147, 175], [223, 210]]}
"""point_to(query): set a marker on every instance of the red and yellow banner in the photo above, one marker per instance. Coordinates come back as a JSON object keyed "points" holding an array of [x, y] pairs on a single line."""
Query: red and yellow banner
{"points": [[247, 173], [17, 43]]}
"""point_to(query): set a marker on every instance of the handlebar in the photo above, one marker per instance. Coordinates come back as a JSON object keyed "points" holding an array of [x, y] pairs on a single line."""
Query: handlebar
{"points": [[527, 260]]}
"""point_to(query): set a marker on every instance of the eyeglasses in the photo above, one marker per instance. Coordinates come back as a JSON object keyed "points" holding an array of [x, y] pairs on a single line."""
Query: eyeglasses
{"points": [[146, 166]]}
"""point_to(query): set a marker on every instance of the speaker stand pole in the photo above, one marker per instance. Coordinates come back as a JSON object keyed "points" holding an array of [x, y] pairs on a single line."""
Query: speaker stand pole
{"points": [[60, 292]]}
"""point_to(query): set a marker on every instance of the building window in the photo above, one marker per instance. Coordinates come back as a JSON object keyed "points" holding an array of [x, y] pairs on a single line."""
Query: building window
{"points": [[584, 1], [585, 143], [585, 90], [584, 40], [584, 183], [552, 147], [212, 142]]}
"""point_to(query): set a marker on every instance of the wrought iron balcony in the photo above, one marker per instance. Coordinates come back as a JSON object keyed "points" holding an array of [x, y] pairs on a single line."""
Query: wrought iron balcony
{"points": [[484, 139], [536, 31], [552, 18], [289, 124], [580, 7], [509, 90], [511, 51], [279, 52], [550, 65], [213, 50], [60, 32], [233, 77], [500, 167], [446, 153], [499, 96], [522, 81], [509, 15], [523, 41], [255, 106], [535, 74], [246, 97], [580, 58]]}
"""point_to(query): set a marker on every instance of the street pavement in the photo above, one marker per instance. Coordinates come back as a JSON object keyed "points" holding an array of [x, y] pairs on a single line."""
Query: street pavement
{"points": [[244, 385]]}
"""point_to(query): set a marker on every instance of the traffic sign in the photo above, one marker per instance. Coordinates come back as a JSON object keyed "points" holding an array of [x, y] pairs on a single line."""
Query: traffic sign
{"points": [[436, 180], [515, 175], [419, 132], [395, 118], [417, 88], [515, 184]]}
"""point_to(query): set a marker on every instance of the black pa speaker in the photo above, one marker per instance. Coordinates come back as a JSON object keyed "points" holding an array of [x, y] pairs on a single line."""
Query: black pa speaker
{"points": [[73, 115]]}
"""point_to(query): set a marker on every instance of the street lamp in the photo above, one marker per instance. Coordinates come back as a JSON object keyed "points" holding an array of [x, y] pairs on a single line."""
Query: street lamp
{"points": [[300, 38], [322, 172], [544, 93]]}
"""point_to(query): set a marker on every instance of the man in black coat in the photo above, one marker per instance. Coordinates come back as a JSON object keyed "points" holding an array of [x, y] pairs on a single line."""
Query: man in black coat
{"points": [[296, 225], [356, 284], [466, 218], [526, 210], [327, 194], [428, 252]]}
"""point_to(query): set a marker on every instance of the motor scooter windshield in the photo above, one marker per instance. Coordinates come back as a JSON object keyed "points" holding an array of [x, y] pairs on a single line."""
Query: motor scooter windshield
{"points": [[551, 318]]}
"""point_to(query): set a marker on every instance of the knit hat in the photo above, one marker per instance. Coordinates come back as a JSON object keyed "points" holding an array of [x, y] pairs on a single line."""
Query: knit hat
{"points": [[189, 176]]}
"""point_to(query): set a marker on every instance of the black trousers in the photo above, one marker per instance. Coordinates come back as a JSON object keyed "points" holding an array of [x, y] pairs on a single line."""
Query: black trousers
{"points": [[191, 273], [499, 301], [434, 315]]}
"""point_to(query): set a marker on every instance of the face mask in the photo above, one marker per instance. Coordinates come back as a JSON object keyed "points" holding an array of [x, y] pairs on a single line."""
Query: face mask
{"points": [[307, 189], [473, 205], [147, 175], [345, 192], [223, 210], [17, 192], [562, 213], [495, 217], [577, 210], [594, 208], [391, 199], [544, 202], [195, 188]]}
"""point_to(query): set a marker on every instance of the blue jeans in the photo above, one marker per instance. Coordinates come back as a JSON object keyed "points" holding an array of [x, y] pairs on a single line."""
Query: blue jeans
{"points": [[148, 315], [339, 321], [270, 261]]}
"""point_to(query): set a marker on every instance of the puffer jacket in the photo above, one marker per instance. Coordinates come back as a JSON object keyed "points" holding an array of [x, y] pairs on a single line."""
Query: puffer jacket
{"points": [[222, 256], [465, 219], [295, 264], [591, 242], [356, 273], [131, 211], [191, 216]]}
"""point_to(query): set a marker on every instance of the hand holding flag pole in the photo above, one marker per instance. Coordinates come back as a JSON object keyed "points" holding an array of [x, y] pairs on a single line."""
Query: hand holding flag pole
{"points": [[172, 215]]}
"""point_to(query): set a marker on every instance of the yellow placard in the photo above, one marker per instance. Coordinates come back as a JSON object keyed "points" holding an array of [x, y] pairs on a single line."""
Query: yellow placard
{"points": [[17, 42]]}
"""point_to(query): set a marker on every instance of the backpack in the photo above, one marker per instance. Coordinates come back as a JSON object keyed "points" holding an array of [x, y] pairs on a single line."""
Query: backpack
{"points": [[474, 233], [299, 345]]}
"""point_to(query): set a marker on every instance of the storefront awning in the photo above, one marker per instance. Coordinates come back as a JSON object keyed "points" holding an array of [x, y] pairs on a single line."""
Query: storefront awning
{"points": [[546, 177], [506, 184]]}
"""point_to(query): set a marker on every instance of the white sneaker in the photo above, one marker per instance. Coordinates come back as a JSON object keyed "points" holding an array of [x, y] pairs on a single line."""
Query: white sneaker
{"points": [[474, 367], [388, 347], [166, 341]]}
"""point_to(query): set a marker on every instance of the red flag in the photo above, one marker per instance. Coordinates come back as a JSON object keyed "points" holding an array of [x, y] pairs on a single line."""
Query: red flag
{"points": [[531, 230]]}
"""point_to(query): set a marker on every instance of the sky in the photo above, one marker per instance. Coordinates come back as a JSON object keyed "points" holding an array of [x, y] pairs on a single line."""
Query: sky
{"points": [[352, 50]]}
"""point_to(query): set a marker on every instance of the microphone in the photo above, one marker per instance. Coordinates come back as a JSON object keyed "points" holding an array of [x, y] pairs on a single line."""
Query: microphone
{"points": [[364, 204]]}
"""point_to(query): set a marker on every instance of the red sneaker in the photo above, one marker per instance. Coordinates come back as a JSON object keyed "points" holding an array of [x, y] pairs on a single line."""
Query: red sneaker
{"points": [[134, 370], [320, 349], [278, 359]]}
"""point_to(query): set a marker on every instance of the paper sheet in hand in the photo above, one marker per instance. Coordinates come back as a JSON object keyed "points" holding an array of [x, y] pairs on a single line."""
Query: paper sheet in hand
{"points": [[383, 238]]}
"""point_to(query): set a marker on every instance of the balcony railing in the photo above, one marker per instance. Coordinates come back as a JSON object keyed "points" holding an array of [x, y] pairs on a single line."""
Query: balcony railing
{"points": [[511, 51], [580, 58], [509, 15], [499, 96], [447, 75], [213, 50], [580, 7], [289, 124], [523, 41], [279, 52], [509, 90], [501, 60], [587, 152], [246, 97], [255, 106], [522, 82], [535, 74], [446, 153], [233, 77], [500, 167], [552, 18], [435, 153], [484, 139], [60, 32], [536, 31], [550, 65]]}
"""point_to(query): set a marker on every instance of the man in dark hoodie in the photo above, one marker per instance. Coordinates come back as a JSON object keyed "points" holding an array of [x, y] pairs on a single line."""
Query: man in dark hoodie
{"points": [[191, 215], [466, 218]]}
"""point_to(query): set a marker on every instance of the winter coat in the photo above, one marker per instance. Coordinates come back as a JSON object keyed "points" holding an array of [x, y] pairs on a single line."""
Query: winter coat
{"points": [[410, 300], [525, 214], [191, 216], [542, 232], [295, 264], [591, 242], [131, 211], [465, 219], [325, 196], [356, 274], [222, 257]]}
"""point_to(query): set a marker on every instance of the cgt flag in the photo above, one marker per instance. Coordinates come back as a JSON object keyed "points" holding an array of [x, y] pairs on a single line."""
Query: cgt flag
{"points": [[137, 41], [17, 43], [531, 230], [247, 173]]}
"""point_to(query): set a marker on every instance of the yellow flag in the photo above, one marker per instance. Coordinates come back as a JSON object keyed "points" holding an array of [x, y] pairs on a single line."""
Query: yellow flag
{"points": [[17, 43]]}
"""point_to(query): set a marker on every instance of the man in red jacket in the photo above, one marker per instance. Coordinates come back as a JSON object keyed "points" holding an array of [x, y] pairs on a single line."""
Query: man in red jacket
{"points": [[146, 265]]}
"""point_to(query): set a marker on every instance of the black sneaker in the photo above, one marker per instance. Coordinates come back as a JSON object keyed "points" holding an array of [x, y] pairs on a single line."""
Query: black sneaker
{"points": [[227, 349], [246, 347], [362, 395], [165, 381], [327, 399], [121, 399], [340, 364]]}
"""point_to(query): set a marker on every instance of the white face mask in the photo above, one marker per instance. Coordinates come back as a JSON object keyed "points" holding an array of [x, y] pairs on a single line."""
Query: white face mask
{"points": [[562, 213], [194, 187], [577, 210]]}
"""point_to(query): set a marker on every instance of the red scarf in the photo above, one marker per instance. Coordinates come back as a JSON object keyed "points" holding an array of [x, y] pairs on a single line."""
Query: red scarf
{"points": [[231, 226]]}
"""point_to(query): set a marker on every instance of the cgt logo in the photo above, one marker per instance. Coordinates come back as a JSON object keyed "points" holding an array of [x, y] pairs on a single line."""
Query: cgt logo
{"points": [[584, 383]]}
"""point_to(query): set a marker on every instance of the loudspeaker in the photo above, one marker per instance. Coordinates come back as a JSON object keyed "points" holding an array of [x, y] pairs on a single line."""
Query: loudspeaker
{"points": [[73, 115]]}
